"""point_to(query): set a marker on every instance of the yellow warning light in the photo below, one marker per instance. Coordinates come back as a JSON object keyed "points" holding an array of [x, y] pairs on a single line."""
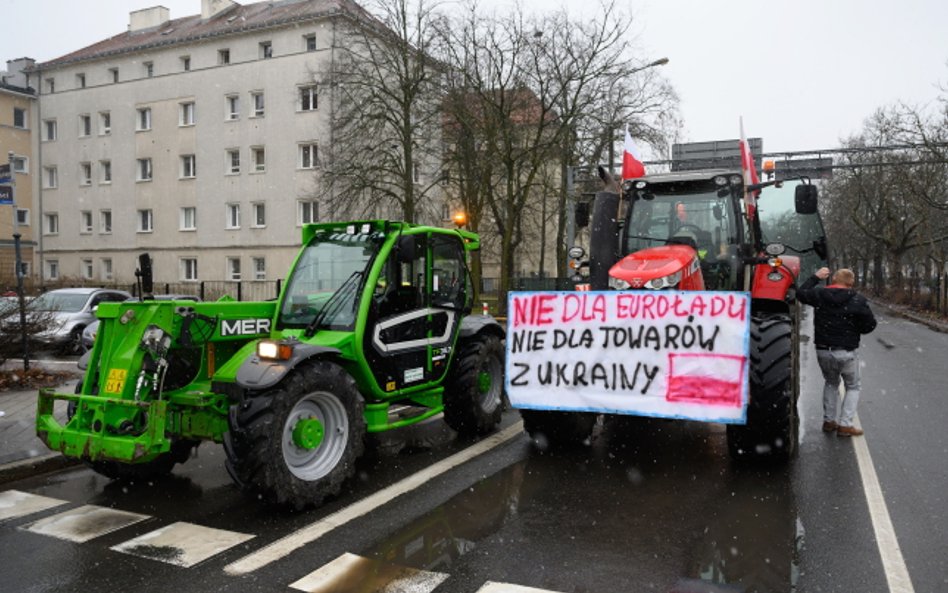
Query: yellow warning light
{"points": [[459, 218], [769, 166]]}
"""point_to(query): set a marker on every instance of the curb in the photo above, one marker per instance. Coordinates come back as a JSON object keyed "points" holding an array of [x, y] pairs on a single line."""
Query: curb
{"points": [[17, 470], [935, 324]]}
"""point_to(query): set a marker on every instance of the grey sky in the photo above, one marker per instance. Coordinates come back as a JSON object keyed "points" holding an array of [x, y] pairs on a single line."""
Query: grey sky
{"points": [[803, 74]]}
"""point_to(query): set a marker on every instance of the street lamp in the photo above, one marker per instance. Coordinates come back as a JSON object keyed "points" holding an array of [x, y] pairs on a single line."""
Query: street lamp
{"points": [[612, 128]]}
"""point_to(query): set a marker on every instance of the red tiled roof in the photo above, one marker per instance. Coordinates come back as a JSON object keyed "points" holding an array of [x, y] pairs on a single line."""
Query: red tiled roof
{"points": [[235, 20]]}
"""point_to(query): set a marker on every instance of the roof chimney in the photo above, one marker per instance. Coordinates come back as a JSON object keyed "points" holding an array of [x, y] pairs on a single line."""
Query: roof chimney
{"points": [[148, 18], [14, 76], [211, 8]]}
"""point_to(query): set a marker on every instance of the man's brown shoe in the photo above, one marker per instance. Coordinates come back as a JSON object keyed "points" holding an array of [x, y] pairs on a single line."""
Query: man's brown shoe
{"points": [[829, 426], [849, 431]]}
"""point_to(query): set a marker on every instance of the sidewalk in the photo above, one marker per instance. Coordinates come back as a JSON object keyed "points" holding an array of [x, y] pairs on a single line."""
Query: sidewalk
{"points": [[22, 453]]}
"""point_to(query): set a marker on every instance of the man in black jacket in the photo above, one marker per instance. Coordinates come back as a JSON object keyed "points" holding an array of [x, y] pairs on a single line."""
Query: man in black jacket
{"points": [[842, 315]]}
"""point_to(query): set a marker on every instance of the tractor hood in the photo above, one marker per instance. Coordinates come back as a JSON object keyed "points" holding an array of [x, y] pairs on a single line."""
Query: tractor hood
{"points": [[654, 268]]}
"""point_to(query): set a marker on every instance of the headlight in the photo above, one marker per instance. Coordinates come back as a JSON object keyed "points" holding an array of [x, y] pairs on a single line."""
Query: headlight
{"points": [[665, 282], [618, 284], [270, 350]]}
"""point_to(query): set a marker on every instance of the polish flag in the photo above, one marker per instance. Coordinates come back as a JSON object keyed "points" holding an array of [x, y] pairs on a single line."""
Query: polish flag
{"points": [[632, 167], [750, 175]]}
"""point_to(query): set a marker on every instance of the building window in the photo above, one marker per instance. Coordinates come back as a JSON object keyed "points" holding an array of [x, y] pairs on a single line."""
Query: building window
{"points": [[105, 266], [144, 170], [23, 216], [85, 173], [86, 267], [50, 129], [80, 81], [52, 223], [85, 125], [105, 123], [21, 164], [114, 74], [50, 177], [233, 161], [188, 166], [266, 50], [187, 114], [105, 171], [308, 98], [144, 119], [233, 268], [185, 63], [259, 156], [188, 219], [256, 100], [85, 222], [223, 56], [146, 222], [189, 268], [259, 215], [309, 42], [105, 222], [308, 155], [19, 118], [308, 211], [233, 216], [51, 85], [233, 107], [52, 269], [149, 68], [259, 268]]}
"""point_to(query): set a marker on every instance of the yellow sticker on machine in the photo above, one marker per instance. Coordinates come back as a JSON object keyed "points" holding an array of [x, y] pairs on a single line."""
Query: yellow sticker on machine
{"points": [[115, 383]]}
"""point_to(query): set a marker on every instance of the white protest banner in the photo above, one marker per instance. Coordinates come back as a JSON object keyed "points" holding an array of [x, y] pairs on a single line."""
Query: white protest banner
{"points": [[650, 353]]}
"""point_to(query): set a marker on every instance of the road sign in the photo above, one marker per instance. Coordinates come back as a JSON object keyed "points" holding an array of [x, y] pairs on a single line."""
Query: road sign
{"points": [[6, 194]]}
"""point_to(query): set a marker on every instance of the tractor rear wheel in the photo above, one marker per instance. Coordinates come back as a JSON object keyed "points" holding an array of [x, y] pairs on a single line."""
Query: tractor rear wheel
{"points": [[473, 396], [552, 430], [296, 444], [772, 427]]}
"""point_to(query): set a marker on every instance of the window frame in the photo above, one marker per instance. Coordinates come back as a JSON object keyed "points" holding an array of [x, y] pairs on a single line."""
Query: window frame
{"points": [[50, 223], [185, 213], [105, 221], [144, 171], [232, 107], [232, 220], [223, 56], [186, 114], [232, 161], [310, 93], [255, 109], [85, 173], [143, 119], [105, 268], [85, 222], [24, 117], [312, 148], [259, 267], [188, 167], [105, 123], [233, 268], [258, 159], [50, 130], [265, 50], [105, 172], [143, 216], [312, 206], [256, 209], [50, 177], [188, 269]]}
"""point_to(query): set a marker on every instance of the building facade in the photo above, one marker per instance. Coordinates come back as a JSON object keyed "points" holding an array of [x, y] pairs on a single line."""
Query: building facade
{"points": [[195, 139]]}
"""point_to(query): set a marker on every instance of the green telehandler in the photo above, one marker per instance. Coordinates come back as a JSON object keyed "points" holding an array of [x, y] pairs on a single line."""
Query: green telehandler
{"points": [[373, 319]]}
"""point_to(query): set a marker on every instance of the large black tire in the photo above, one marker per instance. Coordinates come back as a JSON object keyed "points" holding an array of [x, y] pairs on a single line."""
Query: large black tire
{"points": [[474, 393], [772, 428], [558, 430], [262, 456]]}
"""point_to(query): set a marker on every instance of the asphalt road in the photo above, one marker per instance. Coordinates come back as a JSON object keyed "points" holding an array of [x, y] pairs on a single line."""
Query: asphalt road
{"points": [[648, 506]]}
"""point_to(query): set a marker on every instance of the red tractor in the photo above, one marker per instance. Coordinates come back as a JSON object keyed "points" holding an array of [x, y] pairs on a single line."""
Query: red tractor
{"points": [[696, 231]]}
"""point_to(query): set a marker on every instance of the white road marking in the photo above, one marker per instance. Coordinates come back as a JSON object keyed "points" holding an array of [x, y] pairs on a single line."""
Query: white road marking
{"points": [[492, 587], [84, 523], [314, 531], [896, 573], [14, 503], [350, 573], [182, 544]]}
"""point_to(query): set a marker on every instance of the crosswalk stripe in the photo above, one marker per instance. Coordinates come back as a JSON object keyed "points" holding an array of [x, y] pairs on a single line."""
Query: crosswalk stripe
{"points": [[351, 573], [492, 587], [314, 531], [182, 544], [14, 503], [84, 523]]}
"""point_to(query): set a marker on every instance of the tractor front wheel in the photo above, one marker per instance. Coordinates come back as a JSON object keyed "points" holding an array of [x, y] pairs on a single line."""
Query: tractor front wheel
{"points": [[473, 397], [554, 429], [772, 427], [296, 444]]}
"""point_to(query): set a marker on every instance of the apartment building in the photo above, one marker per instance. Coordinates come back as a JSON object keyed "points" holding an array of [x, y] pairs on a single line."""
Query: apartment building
{"points": [[194, 139], [17, 123]]}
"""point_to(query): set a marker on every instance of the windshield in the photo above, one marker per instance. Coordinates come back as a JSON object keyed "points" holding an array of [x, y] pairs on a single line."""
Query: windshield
{"points": [[332, 263], [60, 302], [780, 223], [685, 216]]}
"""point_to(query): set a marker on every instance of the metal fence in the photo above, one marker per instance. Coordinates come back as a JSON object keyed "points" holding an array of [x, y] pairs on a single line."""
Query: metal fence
{"points": [[207, 290]]}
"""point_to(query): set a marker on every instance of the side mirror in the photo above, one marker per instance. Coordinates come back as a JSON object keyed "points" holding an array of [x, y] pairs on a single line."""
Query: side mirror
{"points": [[581, 215], [819, 246], [805, 199], [406, 249]]}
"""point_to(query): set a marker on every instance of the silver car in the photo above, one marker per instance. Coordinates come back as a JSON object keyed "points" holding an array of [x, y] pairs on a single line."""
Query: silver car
{"points": [[61, 315]]}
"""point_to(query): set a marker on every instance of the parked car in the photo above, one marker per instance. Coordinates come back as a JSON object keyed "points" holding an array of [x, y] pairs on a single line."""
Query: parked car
{"points": [[57, 318], [88, 334]]}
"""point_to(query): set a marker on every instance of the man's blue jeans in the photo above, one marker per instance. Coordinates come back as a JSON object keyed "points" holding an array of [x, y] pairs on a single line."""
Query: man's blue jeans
{"points": [[836, 365]]}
